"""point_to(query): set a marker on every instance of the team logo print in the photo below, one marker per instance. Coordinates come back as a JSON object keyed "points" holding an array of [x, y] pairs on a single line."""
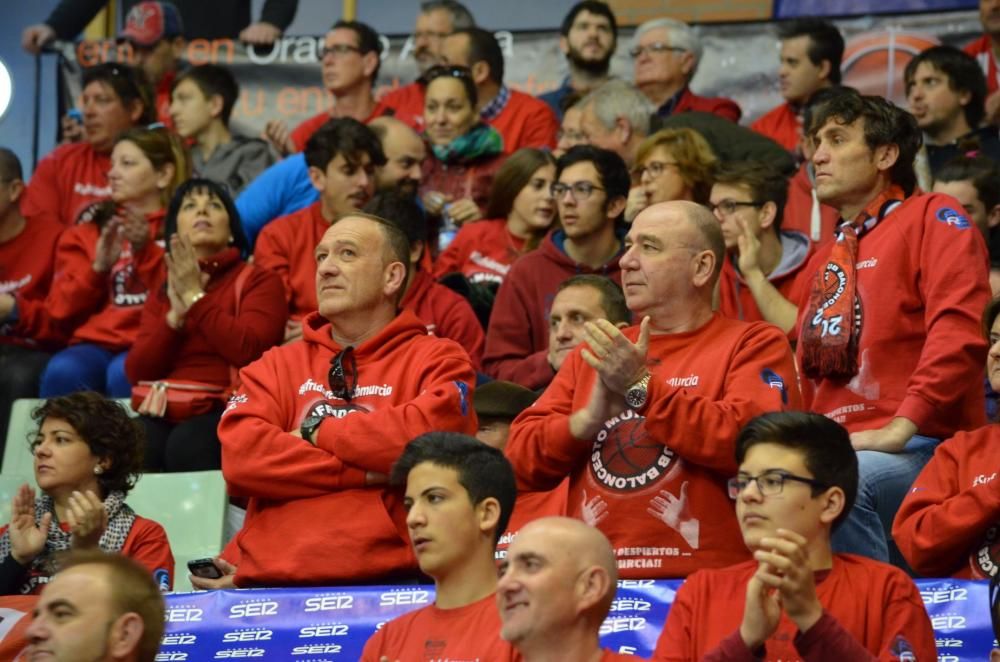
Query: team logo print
{"points": [[128, 289], [949, 216], [322, 409], [625, 458], [902, 649]]}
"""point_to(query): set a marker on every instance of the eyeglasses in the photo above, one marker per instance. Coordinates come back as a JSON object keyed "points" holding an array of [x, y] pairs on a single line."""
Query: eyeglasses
{"points": [[579, 191], [338, 50], [572, 137], [655, 168], [729, 207], [770, 483], [654, 48], [442, 70], [343, 378]]}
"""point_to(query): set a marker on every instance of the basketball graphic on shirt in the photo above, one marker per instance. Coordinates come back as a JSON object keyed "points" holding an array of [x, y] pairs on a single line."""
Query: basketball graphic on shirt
{"points": [[986, 555], [625, 458]]}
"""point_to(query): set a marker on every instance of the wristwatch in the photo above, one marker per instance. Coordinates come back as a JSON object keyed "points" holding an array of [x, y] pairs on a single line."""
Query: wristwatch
{"points": [[309, 426], [635, 396]]}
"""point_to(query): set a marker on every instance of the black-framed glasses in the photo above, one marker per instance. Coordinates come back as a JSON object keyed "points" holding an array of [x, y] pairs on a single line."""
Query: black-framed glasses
{"points": [[770, 483], [654, 168], [654, 48], [337, 50], [442, 70], [343, 375], [729, 207], [578, 190]]}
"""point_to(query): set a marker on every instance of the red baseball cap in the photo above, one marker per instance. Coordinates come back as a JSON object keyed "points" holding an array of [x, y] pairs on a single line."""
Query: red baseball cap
{"points": [[149, 22]]}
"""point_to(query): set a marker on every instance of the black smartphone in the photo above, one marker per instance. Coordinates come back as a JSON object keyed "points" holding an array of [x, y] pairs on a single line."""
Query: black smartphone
{"points": [[204, 568]]}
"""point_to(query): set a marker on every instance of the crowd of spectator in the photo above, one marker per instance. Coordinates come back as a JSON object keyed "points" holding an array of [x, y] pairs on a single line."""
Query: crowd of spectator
{"points": [[642, 309]]}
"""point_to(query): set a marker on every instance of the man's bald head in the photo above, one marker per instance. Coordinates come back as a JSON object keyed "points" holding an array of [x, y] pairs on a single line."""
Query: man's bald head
{"points": [[707, 233], [584, 545], [404, 154]]}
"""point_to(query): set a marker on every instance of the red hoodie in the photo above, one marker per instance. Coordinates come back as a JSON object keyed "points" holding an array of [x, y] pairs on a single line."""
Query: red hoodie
{"points": [[922, 284], [287, 247], [517, 339], [92, 307], [68, 179], [947, 524], [26, 265], [678, 451], [311, 520], [446, 313], [304, 131], [212, 338], [482, 251], [782, 124]]}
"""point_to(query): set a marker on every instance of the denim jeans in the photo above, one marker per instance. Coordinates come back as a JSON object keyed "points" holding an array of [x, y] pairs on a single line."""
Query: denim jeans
{"points": [[86, 367], [883, 481]]}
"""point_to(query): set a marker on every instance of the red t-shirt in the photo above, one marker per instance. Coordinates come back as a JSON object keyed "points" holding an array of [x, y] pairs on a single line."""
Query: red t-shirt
{"points": [[26, 265], [482, 251], [303, 132], [471, 632], [286, 246], [782, 124], [526, 122], [654, 480], [407, 104], [529, 507], [66, 181], [876, 603]]}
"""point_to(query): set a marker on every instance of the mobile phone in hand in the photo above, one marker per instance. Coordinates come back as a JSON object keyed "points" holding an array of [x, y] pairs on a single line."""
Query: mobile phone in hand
{"points": [[204, 568]]}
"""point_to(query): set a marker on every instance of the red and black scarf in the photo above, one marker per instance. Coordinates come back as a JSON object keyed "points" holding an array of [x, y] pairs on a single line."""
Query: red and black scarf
{"points": [[831, 327]]}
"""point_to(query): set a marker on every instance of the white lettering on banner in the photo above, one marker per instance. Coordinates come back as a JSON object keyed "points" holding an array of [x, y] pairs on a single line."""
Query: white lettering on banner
{"points": [[254, 608], [404, 597], [948, 658], [316, 649], [313, 631], [636, 583], [948, 622], [183, 614], [173, 656], [239, 636], [942, 595], [180, 639], [233, 653], [631, 604], [329, 603], [949, 643], [619, 624]]}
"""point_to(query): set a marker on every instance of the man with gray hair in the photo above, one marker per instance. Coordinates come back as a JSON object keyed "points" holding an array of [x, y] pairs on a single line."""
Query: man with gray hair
{"points": [[437, 19], [643, 420], [666, 54], [616, 117]]}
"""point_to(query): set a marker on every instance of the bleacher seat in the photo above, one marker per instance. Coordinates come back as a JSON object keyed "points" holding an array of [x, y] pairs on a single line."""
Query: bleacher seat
{"points": [[8, 488], [192, 509], [17, 458]]}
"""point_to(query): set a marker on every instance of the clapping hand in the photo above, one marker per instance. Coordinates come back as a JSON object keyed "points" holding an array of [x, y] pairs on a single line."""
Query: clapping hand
{"points": [[87, 518], [27, 539]]}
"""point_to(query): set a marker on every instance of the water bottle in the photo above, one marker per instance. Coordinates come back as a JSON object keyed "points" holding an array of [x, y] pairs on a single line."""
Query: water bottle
{"points": [[448, 228]]}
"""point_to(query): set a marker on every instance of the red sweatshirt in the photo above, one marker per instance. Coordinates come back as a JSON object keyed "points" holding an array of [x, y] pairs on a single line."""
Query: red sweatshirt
{"points": [[407, 104], [286, 246], [726, 108], [529, 507], [471, 632], [311, 520], [517, 339], [782, 124], [303, 132], [871, 610], [735, 298], [91, 307], [526, 121], [212, 338], [947, 524], [68, 179], [982, 50], [679, 451], [802, 206], [447, 314], [146, 544], [482, 251], [922, 282], [26, 265]]}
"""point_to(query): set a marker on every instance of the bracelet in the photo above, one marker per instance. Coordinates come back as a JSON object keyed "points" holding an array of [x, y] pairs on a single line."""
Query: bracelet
{"points": [[196, 298]]}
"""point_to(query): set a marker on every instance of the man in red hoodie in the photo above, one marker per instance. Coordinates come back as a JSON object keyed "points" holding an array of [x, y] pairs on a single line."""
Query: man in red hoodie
{"points": [[317, 424], [590, 189], [643, 419]]}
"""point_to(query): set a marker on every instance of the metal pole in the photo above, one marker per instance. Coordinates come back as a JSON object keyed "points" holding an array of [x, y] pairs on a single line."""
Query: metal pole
{"points": [[350, 10]]}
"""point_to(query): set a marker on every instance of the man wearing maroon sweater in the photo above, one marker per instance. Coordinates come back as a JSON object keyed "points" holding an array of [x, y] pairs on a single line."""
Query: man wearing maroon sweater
{"points": [[590, 189]]}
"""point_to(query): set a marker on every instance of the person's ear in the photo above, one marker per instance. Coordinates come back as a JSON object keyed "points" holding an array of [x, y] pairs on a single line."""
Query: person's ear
{"points": [[165, 175], [886, 156], [318, 178], [824, 69], [16, 188], [624, 130], [488, 514], [704, 268], [369, 63], [395, 278], [564, 45], [215, 104], [768, 214], [992, 218], [480, 72], [833, 501], [125, 634], [688, 64], [593, 584], [134, 109], [615, 207]]}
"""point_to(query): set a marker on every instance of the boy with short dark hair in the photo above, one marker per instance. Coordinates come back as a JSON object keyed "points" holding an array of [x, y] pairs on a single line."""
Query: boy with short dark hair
{"points": [[202, 100], [459, 494], [797, 480]]}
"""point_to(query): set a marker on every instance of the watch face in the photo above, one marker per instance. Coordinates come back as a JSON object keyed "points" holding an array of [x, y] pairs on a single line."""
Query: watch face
{"points": [[635, 397]]}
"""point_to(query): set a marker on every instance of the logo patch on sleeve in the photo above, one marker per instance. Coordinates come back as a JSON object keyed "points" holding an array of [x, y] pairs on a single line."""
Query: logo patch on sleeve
{"points": [[774, 380], [463, 396], [956, 219]]}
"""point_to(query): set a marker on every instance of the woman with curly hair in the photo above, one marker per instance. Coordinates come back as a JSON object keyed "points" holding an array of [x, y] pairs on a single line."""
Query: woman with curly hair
{"points": [[88, 455]]}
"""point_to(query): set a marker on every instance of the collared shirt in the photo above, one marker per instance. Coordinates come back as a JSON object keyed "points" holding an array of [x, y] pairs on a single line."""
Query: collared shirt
{"points": [[495, 107]]}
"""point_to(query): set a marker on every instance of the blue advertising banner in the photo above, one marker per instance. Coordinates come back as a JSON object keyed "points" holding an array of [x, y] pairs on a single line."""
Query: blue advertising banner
{"points": [[800, 8]]}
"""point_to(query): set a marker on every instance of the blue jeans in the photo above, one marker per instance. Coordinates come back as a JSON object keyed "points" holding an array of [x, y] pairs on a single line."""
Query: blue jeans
{"points": [[86, 367], [883, 481]]}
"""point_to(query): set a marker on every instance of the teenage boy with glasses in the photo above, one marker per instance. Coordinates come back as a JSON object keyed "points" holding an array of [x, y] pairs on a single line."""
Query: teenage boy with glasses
{"points": [[797, 599], [318, 423], [590, 191], [759, 274]]}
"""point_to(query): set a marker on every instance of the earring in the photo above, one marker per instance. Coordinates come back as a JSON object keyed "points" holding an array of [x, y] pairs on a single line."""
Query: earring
{"points": [[98, 470]]}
